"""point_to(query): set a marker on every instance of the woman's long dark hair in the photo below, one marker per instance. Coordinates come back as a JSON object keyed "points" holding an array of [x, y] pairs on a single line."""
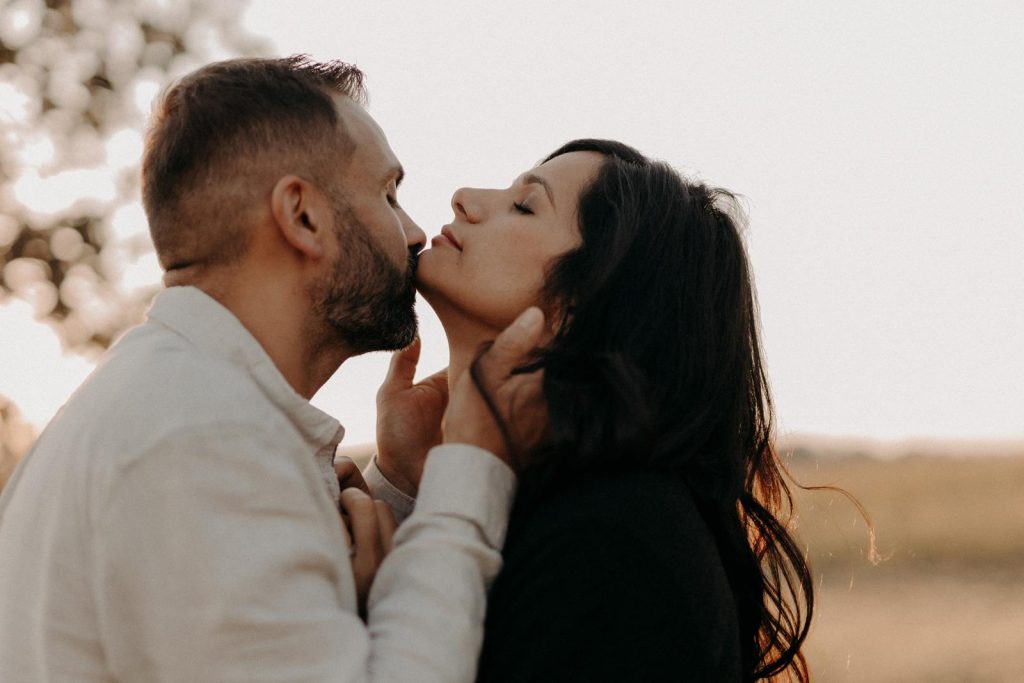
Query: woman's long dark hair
{"points": [[656, 363]]}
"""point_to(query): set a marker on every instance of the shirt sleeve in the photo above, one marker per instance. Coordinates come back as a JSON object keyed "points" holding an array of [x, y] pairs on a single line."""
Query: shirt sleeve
{"points": [[446, 553], [219, 559], [401, 504]]}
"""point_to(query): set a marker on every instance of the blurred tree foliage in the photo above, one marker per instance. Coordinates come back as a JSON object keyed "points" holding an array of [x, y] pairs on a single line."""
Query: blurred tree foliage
{"points": [[77, 80]]}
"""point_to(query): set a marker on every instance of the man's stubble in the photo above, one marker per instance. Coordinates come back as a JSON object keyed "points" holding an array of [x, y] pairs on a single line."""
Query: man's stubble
{"points": [[365, 300]]}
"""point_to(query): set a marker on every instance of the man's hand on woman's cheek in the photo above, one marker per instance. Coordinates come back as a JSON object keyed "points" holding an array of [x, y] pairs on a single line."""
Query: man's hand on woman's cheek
{"points": [[498, 409], [408, 419]]}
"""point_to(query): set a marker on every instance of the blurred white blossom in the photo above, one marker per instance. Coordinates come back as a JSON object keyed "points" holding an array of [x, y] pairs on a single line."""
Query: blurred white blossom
{"points": [[78, 79]]}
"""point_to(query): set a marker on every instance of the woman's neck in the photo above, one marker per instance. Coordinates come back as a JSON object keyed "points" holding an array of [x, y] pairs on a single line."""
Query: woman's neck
{"points": [[464, 341], [466, 335]]}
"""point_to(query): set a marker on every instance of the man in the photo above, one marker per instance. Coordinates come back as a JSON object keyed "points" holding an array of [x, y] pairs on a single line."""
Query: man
{"points": [[178, 519]]}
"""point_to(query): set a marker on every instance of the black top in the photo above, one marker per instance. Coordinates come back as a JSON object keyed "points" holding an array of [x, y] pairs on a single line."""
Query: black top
{"points": [[614, 578]]}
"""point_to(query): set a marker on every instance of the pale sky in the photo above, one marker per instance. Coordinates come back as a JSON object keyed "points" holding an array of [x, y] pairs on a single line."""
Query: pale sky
{"points": [[879, 147]]}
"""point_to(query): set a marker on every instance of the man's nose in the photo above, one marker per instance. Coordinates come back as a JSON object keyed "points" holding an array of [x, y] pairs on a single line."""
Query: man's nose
{"points": [[466, 205], [414, 235]]}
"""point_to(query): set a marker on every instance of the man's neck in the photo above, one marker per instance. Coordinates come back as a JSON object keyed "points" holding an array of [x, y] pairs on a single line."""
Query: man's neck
{"points": [[282, 324]]}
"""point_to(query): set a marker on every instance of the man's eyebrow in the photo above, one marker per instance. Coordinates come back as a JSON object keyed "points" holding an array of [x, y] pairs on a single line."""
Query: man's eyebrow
{"points": [[530, 178]]}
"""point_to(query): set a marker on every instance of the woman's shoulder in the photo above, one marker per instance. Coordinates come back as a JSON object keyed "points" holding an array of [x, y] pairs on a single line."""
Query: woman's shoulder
{"points": [[649, 516], [633, 499]]}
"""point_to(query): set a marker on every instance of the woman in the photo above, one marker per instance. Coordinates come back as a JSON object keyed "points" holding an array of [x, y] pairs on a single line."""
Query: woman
{"points": [[644, 543]]}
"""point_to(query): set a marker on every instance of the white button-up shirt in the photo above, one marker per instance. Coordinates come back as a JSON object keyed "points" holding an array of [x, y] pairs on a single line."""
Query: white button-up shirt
{"points": [[177, 521]]}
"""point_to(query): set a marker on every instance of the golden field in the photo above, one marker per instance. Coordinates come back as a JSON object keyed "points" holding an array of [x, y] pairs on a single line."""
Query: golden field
{"points": [[946, 601]]}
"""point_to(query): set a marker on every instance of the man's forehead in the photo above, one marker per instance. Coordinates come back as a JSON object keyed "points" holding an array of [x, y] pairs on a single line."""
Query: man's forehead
{"points": [[370, 141]]}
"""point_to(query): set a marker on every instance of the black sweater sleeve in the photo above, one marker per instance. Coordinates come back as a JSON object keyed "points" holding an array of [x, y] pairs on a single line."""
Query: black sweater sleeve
{"points": [[615, 580]]}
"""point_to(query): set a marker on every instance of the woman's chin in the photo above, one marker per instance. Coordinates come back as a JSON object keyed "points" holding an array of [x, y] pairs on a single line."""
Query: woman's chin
{"points": [[427, 287], [428, 268], [436, 294], [439, 281]]}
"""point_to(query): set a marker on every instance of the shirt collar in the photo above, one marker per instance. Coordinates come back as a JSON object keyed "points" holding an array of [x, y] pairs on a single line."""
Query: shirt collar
{"points": [[202, 320]]}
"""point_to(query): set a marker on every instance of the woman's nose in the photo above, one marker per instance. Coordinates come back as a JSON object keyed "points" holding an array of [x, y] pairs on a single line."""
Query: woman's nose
{"points": [[466, 205]]}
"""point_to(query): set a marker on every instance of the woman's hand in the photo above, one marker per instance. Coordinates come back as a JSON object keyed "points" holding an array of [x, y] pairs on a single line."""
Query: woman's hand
{"points": [[408, 419], [349, 475], [369, 528]]}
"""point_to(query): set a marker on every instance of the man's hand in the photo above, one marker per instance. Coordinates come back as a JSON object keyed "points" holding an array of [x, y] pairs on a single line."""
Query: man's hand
{"points": [[408, 419], [369, 528], [517, 398]]}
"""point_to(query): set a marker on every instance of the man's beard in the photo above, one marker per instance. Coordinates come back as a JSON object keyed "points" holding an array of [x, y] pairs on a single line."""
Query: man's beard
{"points": [[366, 300]]}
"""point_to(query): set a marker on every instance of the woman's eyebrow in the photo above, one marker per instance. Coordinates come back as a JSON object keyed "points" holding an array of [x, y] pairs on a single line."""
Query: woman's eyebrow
{"points": [[531, 178]]}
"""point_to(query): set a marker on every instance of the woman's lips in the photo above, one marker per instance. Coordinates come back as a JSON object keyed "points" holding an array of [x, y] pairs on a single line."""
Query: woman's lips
{"points": [[446, 238], [442, 241]]}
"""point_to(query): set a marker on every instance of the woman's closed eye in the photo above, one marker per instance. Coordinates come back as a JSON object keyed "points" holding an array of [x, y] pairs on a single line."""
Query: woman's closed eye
{"points": [[522, 208]]}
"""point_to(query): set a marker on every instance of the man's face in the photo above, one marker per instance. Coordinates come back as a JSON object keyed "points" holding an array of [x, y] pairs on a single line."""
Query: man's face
{"points": [[367, 293]]}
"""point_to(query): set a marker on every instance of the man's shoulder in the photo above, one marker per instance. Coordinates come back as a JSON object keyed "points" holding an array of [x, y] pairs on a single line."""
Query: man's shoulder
{"points": [[154, 385], [168, 373]]}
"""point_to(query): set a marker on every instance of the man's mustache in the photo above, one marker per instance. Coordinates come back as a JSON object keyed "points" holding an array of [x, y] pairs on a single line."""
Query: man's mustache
{"points": [[414, 261]]}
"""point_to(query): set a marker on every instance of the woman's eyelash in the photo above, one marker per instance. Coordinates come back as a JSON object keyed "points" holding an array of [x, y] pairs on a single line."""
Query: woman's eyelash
{"points": [[522, 208]]}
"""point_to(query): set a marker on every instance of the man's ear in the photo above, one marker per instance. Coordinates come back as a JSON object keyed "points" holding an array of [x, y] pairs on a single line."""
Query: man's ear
{"points": [[302, 214]]}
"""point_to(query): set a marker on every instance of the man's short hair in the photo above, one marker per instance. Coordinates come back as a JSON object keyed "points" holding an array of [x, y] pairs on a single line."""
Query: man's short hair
{"points": [[223, 135]]}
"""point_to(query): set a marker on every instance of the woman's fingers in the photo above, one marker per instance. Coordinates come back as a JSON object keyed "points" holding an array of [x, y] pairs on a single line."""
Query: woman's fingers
{"points": [[349, 475], [365, 545], [343, 520], [362, 517]]}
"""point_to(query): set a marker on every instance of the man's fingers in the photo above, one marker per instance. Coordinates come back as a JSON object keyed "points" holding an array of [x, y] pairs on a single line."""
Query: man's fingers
{"points": [[515, 342], [402, 368], [349, 475], [438, 382], [387, 525]]}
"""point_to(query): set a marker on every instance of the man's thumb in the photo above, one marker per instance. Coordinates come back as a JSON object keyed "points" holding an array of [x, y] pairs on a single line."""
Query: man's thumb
{"points": [[402, 368], [517, 340]]}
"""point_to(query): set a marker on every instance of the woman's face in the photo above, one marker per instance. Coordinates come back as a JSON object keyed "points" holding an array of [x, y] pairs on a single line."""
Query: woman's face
{"points": [[489, 264]]}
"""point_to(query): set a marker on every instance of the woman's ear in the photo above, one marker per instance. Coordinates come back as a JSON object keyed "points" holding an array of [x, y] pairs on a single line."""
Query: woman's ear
{"points": [[558, 314], [302, 214]]}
